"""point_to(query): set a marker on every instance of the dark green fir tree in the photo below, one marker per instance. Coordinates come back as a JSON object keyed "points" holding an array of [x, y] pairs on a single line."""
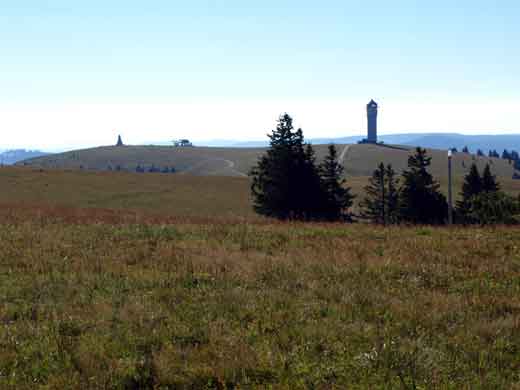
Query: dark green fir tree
{"points": [[338, 198], [420, 199], [392, 195], [489, 181], [381, 203], [471, 187], [286, 182], [373, 206]]}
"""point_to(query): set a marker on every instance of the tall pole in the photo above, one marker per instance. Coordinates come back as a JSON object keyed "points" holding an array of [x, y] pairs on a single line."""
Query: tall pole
{"points": [[383, 197], [450, 204]]}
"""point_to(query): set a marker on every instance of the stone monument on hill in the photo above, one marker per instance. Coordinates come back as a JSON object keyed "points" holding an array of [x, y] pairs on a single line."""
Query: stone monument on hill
{"points": [[119, 141]]}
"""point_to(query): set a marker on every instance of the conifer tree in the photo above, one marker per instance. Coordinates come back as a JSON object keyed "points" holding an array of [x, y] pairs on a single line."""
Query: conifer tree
{"points": [[373, 205], [313, 198], [271, 186], [489, 182], [465, 149], [380, 204], [471, 187], [494, 208], [338, 198], [420, 200], [286, 182], [392, 191]]}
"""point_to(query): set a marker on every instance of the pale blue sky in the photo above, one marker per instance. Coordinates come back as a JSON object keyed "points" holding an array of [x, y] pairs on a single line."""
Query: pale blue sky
{"points": [[106, 66]]}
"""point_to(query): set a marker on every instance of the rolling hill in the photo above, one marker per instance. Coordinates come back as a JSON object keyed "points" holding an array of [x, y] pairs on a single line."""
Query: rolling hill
{"points": [[358, 159]]}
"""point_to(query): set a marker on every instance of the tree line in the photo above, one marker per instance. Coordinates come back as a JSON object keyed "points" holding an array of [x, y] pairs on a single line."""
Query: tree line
{"points": [[288, 184], [512, 156]]}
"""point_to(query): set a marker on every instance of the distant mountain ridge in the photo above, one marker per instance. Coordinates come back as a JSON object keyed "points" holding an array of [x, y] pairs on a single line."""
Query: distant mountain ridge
{"points": [[441, 141], [9, 157]]}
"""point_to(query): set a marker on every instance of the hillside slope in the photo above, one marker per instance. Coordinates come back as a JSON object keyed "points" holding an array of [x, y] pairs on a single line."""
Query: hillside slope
{"points": [[362, 159], [359, 160], [197, 161], [25, 189]]}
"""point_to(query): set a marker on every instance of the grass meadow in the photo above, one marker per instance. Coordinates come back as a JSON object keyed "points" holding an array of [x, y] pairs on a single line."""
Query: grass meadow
{"points": [[162, 195], [127, 281], [110, 304]]}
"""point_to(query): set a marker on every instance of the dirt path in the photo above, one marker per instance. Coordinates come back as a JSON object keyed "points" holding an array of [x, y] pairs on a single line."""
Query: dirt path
{"points": [[343, 153], [228, 170], [231, 166]]}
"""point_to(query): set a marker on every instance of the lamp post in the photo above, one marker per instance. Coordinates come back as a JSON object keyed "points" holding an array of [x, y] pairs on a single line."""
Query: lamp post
{"points": [[450, 204]]}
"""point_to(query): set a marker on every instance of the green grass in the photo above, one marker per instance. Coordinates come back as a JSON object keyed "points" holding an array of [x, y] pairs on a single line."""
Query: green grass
{"points": [[292, 306], [131, 281]]}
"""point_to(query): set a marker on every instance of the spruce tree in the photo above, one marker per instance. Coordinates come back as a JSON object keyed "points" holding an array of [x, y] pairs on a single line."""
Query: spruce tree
{"points": [[271, 186], [338, 198], [489, 182], [312, 199], [392, 195], [374, 204], [420, 200], [286, 182], [495, 208], [381, 202], [471, 187]]}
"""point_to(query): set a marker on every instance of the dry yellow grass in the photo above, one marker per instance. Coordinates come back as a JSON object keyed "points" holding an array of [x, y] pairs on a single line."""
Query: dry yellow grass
{"points": [[159, 194], [152, 194]]}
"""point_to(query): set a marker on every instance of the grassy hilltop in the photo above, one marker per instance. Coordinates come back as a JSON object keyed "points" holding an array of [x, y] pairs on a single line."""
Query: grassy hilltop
{"points": [[359, 160]]}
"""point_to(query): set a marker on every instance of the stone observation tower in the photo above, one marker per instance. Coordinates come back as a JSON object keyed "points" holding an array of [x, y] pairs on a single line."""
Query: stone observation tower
{"points": [[372, 122]]}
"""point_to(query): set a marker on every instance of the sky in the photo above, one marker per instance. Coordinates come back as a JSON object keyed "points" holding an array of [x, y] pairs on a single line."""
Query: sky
{"points": [[77, 75]]}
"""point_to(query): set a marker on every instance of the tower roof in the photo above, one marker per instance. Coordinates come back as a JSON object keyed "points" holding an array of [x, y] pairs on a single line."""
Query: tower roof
{"points": [[372, 103]]}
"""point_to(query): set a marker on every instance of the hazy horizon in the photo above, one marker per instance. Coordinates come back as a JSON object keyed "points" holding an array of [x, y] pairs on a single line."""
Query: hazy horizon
{"points": [[75, 76]]}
